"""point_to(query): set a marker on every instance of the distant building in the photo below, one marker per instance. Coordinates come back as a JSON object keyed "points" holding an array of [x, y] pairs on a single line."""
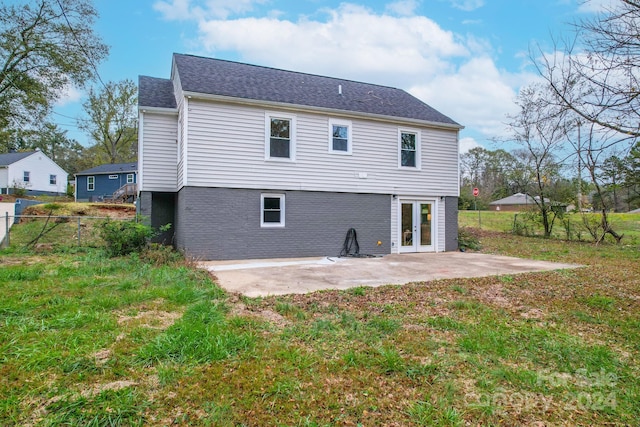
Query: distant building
{"points": [[521, 202], [32, 171], [116, 182]]}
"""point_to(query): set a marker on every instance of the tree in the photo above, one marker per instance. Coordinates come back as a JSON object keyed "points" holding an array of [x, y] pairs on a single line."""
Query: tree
{"points": [[612, 173], [596, 73], [46, 46], [540, 128], [112, 121], [487, 170]]}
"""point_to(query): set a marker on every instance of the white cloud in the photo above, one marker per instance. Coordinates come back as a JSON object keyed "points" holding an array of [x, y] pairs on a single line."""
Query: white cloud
{"points": [[596, 6], [69, 95], [218, 9], [467, 5], [477, 95], [402, 7], [352, 42], [452, 73], [174, 9], [467, 144]]}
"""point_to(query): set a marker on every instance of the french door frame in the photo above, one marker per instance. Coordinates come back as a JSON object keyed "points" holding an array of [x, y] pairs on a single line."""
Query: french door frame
{"points": [[410, 238]]}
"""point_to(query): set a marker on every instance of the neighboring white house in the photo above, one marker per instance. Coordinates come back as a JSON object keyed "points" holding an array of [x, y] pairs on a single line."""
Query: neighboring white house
{"points": [[32, 171], [255, 162]]}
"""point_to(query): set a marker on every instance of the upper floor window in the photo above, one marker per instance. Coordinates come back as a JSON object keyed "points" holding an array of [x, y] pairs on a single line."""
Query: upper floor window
{"points": [[53, 179], [129, 178], [91, 183], [340, 136], [280, 142], [409, 149], [272, 210], [26, 177]]}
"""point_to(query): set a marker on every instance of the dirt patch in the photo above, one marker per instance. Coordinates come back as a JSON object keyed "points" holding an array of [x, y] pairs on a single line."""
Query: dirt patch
{"points": [[149, 316], [152, 319], [115, 211], [102, 356], [112, 386], [241, 310]]}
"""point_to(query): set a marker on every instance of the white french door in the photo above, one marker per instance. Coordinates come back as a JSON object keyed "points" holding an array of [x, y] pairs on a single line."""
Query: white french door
{"points": [[417, 221]]}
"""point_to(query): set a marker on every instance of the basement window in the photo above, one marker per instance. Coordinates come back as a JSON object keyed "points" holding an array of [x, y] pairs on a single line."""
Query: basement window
{"points": [[272, 210]]}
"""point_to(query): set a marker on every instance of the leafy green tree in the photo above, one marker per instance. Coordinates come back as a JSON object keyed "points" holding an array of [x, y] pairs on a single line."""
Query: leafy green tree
{"points": [[112, 121], [489, 170], [46, 46]]}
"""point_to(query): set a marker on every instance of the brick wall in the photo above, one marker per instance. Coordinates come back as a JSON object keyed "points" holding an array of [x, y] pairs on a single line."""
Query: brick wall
{"points": [[220, 223], [451, 224]]}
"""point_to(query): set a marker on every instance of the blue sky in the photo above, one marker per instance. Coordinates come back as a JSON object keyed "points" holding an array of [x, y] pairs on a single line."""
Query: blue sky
{"points": [[466, 58]]}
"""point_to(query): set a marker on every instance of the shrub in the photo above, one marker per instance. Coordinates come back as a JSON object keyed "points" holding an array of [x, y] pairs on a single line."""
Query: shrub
{"points": [[466, 240], [125, 237]]}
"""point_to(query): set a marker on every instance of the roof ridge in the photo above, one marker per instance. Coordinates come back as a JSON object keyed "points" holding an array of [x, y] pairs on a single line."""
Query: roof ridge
{"points": [[288, 71]]}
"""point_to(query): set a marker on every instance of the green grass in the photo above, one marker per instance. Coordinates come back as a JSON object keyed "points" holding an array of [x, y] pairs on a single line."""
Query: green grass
{"points": [[623, 223], [148, 340]]}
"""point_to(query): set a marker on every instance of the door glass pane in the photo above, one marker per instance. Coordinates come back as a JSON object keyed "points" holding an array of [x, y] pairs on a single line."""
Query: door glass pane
{"points": [[425, 224], [407, 224]]}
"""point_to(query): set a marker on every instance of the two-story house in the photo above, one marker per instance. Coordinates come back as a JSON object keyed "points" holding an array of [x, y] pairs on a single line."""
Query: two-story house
{"points": [[253, 162]]}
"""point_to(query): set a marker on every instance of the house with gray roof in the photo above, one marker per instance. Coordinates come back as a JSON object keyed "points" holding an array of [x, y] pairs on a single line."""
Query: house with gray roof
{"points": [[33, 172], [248, 161], [108, 182], [521, 202]]}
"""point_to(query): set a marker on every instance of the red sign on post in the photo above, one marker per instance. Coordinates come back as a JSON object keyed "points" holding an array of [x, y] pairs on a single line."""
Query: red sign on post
{"points": [[476, 192]]}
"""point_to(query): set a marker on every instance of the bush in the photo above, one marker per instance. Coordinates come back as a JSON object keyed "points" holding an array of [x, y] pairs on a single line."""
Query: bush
{"points": [[125, 237], [466, 240]]}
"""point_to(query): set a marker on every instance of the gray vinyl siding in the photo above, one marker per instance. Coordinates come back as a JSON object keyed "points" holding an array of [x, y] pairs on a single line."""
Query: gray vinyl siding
{"points": [[227, 146], [222, 223], [159, 152], [451, 223]]}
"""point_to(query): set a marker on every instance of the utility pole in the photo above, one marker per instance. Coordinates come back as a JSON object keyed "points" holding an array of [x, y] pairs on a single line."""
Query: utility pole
{"points": [[579, 170]]}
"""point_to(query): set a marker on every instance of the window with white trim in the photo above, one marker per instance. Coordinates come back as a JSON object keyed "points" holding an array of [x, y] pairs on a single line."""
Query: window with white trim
{"points": [[339, 136], [53, 179], [26, 176], [113, 176], [91, 183], [129, 178], [280, 143], [272, 210], [409, 149]]}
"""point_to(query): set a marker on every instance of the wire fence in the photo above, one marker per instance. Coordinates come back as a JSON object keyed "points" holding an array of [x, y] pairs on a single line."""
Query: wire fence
{"points": [[52, 230]]}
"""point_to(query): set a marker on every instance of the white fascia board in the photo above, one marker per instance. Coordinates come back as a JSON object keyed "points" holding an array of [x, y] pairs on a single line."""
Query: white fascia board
{"points": [[158, 110], [311, 109]]}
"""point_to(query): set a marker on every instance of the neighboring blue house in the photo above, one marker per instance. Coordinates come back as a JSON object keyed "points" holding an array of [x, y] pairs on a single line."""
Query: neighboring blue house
{"points": [[111, 182]]}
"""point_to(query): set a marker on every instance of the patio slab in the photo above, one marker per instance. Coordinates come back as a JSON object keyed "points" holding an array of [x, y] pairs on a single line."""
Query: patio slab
{"points": [[255, 278]]}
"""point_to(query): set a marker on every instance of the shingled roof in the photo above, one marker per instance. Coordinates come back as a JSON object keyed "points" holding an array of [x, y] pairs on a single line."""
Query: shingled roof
{"points": [[155, 92], [199, 75], [110, 168], [10, 158]]}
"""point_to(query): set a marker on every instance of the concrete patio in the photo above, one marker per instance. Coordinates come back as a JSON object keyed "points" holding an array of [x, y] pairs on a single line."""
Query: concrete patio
{"points": [[255, 278]]}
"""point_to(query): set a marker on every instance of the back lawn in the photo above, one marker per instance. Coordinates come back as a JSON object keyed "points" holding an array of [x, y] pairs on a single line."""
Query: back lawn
{"points": [[149, 340]]}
